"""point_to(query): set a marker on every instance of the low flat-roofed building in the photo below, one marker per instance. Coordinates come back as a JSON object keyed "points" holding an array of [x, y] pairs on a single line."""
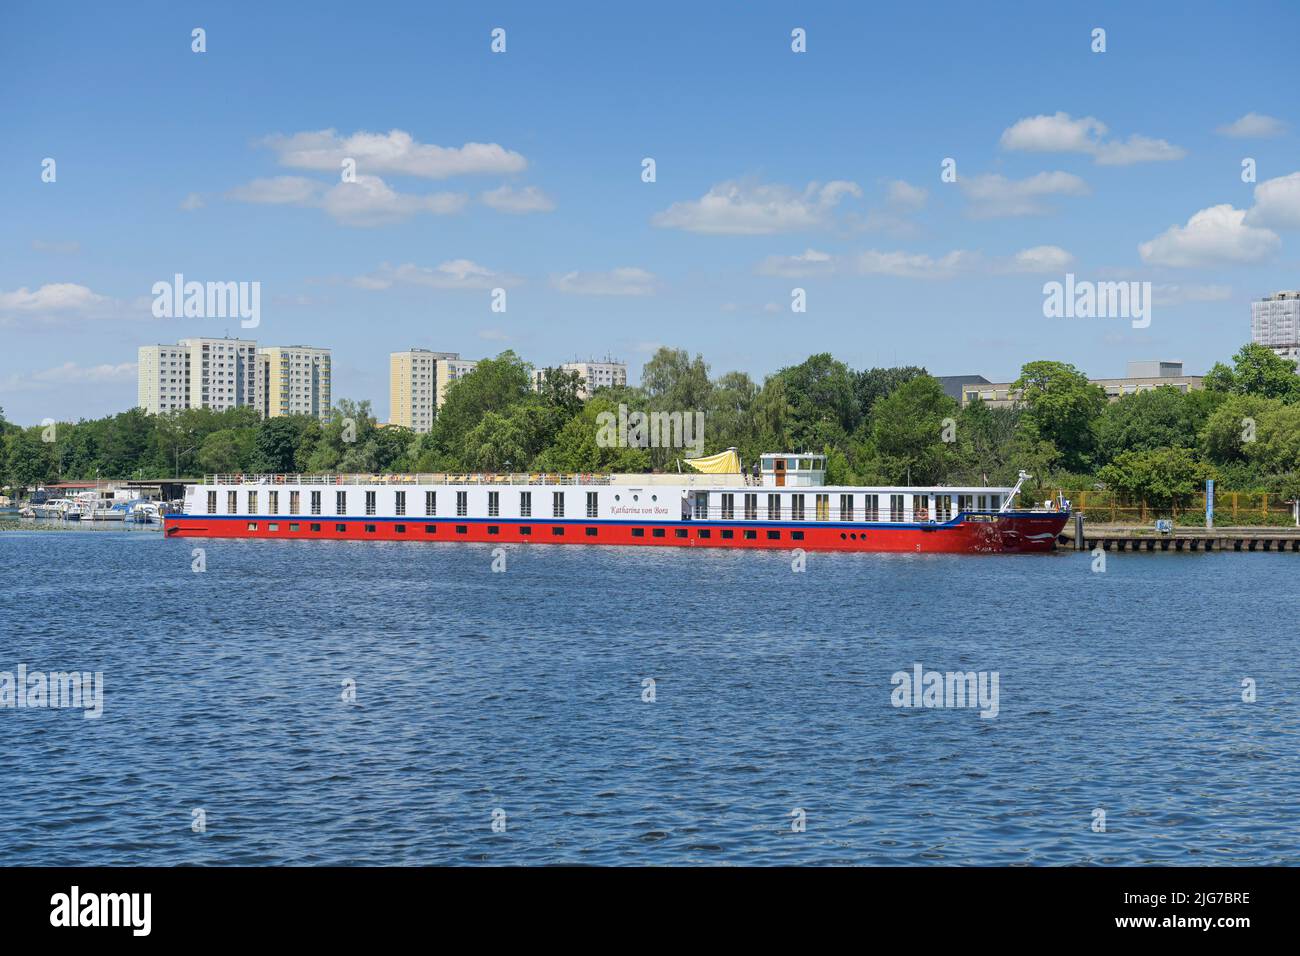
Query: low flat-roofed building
{"points": [[1159, 373]]}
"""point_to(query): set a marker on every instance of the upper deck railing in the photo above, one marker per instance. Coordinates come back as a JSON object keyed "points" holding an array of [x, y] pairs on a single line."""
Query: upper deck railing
{"points": [[454, 478]]}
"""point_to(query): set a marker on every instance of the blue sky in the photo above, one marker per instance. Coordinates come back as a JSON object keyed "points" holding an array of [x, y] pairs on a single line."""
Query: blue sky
{"points": [[819, 170]]}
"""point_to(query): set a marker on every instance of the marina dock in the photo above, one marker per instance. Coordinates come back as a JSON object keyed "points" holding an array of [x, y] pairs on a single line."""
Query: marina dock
{"points": [[1145, 538]]}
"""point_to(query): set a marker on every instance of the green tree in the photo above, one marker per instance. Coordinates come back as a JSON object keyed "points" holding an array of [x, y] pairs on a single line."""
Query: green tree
{"points": [[913, 433], [1062, 407], [1161, 477], [1257, 370]]}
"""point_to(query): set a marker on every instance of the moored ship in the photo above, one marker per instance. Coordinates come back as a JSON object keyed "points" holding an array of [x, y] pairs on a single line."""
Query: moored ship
{"points": [[785, 505]]}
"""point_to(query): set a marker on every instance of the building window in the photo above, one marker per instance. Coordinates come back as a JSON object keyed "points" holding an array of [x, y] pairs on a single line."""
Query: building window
{"points": [[796, 507], [557, 504], [340, 502], [370, 502], [823, 507], [846, 507], [525, 504], [728, 506], [252, 502], [232, 506], [212, 502], [751, 507], [592, 506], [399, 507], [295, 502], [462, 504], [895, 507], [494, 504], [315, 502], [773, 507], [431, 502]]}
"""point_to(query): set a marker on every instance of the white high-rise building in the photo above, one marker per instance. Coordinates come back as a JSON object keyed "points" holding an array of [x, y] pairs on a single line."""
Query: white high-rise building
{"points": [[451, 369], [295, 380], [413, 387], [199, 373], [1275, 322], [163, 378], [606, 374]]}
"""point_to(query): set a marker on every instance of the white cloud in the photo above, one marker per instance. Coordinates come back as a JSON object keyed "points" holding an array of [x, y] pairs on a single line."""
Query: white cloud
{"points": [[808, 263], [191, 202], [754, 209], [69, 373], [1277, 203], [1039, 259], [53, 298], [903, 196], [1253, 126], [994, 196], [393, 152], [367, 202], [916, 265], [1215, 236], [1062, 133], [623, 281], [526, 200], [453, 274]]}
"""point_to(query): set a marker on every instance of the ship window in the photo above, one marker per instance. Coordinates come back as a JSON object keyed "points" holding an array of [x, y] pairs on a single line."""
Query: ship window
{"points": [[273, 526], [340, 527], [462, 504], [273, 502], [231, 506], [494, 504], [657, 532], [728, 506], [494, 529], [591, 532], [846, 507], [293, 526], [823, 507], [462, 529], [705, 533], [525, 530], [370, 502], [431, 502], [871, 508], [340, 502], [773, 507], [252, 526], [751, 507], [400, 528], [796, 507], [295, 502], [774, 536], [315, 502], [430, 529], [399, 503], [751, 535], [557, 504], [638, 532], [557, 532], [525, 504], [896, 507], [252, 502], [591, 504], [313, 527], [701, 504], [212, 502], [796, 535], [943, 507], [728, 535], [920, 508], [679, 532], [370, 529]]}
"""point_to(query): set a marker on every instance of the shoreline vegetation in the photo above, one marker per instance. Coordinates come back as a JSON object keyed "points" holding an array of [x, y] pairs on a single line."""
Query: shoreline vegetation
{"points": [[1141, 457]]}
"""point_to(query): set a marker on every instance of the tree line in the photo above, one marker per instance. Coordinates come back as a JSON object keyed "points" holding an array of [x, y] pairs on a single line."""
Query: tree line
{"points": [[876, 426]]}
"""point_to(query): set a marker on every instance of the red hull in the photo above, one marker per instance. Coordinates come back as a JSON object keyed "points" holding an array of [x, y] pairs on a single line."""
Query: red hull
{"points": [[1014, 533]]}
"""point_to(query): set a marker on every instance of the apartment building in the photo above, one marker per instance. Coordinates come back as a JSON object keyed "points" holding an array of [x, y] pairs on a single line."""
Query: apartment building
{"points": [[295, 380]]}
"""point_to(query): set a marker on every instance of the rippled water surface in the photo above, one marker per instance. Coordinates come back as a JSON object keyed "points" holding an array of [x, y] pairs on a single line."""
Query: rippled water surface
{"points": [[523, 692]]}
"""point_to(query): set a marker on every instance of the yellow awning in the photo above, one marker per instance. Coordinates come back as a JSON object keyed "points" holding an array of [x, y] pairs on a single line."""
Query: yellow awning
{"points": [[723, 463]]}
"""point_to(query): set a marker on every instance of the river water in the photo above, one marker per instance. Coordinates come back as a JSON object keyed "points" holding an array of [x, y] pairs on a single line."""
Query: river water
{"points": [[658, 706]]}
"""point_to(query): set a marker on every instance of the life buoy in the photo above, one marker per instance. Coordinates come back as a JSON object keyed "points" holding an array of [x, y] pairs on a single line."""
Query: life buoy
{"points": [[922, 514]]}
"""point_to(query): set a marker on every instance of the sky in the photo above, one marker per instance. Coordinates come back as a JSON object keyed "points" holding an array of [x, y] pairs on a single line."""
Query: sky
{"points": [[522, 170]]}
